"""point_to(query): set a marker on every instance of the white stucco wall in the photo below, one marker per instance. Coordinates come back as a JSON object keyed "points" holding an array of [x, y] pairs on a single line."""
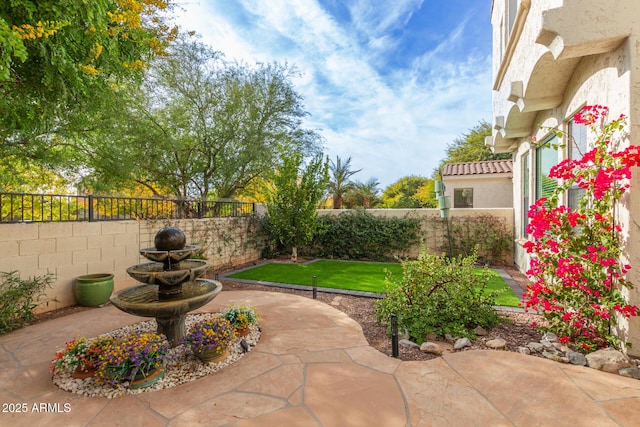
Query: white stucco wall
{"points": [[602, 67]]}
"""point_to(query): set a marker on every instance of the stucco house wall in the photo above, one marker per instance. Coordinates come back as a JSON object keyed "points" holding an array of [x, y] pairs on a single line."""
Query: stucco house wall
{"points": [[547, 65], [490, 183], [488, 192]]}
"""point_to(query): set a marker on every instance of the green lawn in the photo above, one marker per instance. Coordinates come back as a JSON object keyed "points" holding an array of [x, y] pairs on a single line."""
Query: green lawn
{"points": [[352, 275]]}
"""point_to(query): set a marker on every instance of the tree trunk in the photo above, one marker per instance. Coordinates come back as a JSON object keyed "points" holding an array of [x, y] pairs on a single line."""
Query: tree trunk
{"points": [[294, 254], [337, 202]]}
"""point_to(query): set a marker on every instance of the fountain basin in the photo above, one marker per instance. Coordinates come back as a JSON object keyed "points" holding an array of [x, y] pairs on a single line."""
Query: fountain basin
{"points": [[154, 272], [147, 300]]}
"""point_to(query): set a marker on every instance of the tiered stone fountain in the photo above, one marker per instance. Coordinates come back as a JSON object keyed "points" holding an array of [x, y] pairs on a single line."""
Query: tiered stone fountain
{"points": [[171, 284]]}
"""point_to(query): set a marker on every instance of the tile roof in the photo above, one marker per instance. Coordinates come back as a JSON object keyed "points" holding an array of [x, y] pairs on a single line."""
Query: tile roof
{"points": [[478, 168]]}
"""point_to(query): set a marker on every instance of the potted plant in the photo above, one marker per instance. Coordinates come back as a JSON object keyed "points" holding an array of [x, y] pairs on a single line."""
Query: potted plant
{"points": [[242, 317], [209, 339], [138, 359], [92, 290], [81, 356]]}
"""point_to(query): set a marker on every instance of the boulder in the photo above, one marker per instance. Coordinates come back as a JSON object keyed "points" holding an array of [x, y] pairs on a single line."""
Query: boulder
{"points": [[608, 360], [408, 344], [630, 373], [535, 346], [576, 358], [462, 343], [431, 348], [496, 344], [480, 331]]}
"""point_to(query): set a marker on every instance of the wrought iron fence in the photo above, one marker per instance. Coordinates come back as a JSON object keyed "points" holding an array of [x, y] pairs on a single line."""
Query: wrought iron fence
{"points": [[22, 207]]}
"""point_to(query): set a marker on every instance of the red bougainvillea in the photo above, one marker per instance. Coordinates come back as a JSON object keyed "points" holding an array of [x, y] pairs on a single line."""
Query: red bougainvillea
{"points": [[576, 267]]}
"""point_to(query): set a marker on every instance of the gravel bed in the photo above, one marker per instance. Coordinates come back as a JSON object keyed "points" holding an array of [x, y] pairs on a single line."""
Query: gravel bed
{"points": [[181, 366]]}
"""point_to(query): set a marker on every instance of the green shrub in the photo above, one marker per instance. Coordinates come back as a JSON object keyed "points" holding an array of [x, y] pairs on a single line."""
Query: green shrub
{"points": [[359, 235], [438, 295], [18, 298], [491, 236]]}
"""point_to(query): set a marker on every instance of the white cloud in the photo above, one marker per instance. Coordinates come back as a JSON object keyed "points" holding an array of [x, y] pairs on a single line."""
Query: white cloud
{"points": [[392, 125]]}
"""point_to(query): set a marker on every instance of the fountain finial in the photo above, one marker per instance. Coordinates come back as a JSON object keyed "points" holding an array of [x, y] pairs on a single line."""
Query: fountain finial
{"points": [[170, 239]]}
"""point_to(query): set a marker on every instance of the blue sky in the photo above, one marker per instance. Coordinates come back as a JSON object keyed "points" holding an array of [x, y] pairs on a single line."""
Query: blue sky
{"points": [[388, 83]]}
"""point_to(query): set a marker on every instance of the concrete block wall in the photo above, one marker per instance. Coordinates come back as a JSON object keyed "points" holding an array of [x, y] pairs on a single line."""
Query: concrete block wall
{"points": [[224, 241], [71, 249], [67, 250], [433, 226]]}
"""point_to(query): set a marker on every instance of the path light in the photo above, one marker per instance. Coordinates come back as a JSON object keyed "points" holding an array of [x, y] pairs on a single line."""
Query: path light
{"points": [[394, 335], [315, 287]]}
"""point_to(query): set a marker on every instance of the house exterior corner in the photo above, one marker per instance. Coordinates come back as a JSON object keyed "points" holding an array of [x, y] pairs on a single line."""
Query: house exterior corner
{"points": [[550, 58]]}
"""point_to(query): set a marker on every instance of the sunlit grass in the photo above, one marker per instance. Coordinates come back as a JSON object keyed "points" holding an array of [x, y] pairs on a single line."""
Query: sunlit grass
{"points": [[352, 275]]}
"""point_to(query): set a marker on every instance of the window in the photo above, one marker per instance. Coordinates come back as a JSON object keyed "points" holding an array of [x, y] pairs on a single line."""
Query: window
{"points": [[525, 193], [546, 158], [463, 198], [577, 146]]}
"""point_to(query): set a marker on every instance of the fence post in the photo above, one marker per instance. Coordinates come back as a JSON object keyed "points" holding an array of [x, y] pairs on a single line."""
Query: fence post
{"points": [[91, 218]]}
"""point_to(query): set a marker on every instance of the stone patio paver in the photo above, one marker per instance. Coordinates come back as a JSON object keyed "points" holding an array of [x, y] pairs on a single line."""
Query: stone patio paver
{"points": [[313, 367]]}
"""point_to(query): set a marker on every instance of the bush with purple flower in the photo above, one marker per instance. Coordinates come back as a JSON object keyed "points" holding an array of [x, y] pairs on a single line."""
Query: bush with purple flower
{"points": [[123, 359], [215, 333]]}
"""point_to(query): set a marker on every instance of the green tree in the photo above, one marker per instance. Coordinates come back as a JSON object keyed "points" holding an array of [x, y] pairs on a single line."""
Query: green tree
{"points": [[201, 126], [409, 192], [60, 59], [293, 202], [470, 148], [340, 183], [20, 175], [426, 195], [363, 194]]}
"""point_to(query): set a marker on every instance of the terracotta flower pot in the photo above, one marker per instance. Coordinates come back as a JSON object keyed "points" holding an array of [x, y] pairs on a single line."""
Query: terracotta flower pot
{"points": [[87, 371], [243, 331]]}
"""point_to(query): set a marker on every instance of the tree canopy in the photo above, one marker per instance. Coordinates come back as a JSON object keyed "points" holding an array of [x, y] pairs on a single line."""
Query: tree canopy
{"points": [[201, 126], [363, 194], [340, 182], [60, 59], [470, 147], [410, 192], [293, 203]]}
